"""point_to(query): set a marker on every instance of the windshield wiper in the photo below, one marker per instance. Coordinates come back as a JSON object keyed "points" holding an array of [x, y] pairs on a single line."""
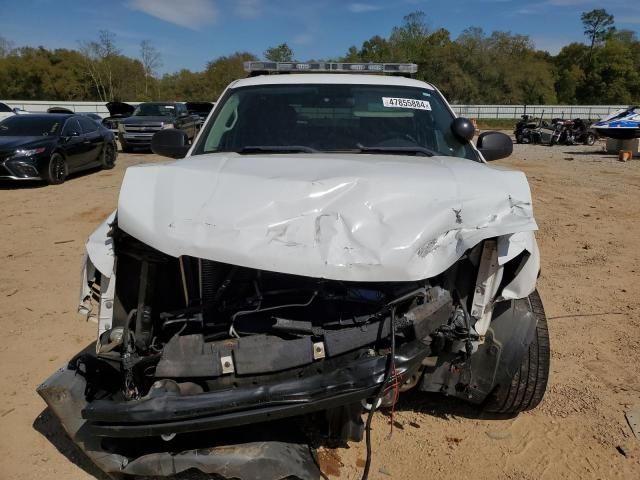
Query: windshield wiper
{"points": [[417, 150], [276, 149]]}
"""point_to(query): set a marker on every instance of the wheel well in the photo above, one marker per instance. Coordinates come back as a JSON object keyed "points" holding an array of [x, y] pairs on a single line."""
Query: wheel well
{"points": [[59, 151]]}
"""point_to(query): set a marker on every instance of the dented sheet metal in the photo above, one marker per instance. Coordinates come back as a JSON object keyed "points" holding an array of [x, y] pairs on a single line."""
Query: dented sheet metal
{"points": [[342, 217], [100, 247]]}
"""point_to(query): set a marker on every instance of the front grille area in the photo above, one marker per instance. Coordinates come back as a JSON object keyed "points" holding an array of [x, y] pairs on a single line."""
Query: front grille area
{"points": [[143, 128]]}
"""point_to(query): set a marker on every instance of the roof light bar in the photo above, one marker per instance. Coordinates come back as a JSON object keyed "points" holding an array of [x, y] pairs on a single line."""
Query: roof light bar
{"points": [[330, 67]]}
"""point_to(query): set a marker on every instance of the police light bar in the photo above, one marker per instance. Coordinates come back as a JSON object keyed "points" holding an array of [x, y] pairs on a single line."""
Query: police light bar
{"points": [[330, 67]]}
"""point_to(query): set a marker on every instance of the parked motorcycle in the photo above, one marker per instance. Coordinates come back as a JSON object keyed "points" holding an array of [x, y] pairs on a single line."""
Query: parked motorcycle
{"points": [[524, 129], [582, 133], [571, 132]]}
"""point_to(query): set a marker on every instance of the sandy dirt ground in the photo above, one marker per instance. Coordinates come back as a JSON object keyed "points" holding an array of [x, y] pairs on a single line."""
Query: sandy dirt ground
{"points": [[587, 206]]}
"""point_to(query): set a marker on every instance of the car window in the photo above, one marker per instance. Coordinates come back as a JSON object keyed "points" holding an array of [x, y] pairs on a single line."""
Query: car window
{"points": [[331, 118], [5, 108], [88, 125], [155, 110], [70, 127], [29, 125]]}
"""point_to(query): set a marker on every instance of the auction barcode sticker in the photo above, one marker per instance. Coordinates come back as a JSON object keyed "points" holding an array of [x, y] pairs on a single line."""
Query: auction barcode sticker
{"points": [[406, 103]]}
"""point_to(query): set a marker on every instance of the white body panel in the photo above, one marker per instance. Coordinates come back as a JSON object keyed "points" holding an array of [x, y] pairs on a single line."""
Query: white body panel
{"points": [[343, 217]]}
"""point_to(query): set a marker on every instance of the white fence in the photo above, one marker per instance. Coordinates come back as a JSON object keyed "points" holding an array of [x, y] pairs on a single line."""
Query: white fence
{"points": [[43, 105], [471, 111], [545, 111]]}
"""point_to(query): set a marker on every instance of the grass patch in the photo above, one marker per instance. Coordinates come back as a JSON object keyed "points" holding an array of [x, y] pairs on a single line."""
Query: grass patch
{"points": [[496, 123]]}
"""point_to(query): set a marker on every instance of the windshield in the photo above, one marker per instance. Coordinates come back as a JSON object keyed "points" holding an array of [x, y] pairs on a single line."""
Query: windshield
{"points": [[29, 126], [155, 110], [333, 118]]}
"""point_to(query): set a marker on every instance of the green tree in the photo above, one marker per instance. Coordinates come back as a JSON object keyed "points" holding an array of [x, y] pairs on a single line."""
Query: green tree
{"points": [[598, 24], [185, 85], [223, 70], [376, 49], [407, 41], [280, 53], [571, 65]]}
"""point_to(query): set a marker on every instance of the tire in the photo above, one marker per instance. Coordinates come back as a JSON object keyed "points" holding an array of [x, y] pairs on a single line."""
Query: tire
{"points": [[108, 157], [124, 146], [57, 170], [590, 139], [529, 383]]}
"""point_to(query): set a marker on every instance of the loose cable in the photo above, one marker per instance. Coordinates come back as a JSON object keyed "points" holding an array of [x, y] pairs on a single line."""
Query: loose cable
{"points": [[387, 376]]}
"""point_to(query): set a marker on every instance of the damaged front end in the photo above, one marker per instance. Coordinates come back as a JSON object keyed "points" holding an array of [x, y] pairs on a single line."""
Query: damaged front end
{"points": [[321, 294], [189, 345]]}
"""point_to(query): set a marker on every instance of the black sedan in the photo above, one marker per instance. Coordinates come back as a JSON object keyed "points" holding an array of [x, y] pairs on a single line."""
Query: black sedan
{"points": [[51, 146]]}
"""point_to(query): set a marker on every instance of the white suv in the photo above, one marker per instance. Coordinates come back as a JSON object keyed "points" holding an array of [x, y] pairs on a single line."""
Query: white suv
{"points": [[328, 241]]}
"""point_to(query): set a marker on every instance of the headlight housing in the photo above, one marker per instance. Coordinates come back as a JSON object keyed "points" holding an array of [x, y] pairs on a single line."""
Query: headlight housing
{"points": [[167, 125], [28, 152]]}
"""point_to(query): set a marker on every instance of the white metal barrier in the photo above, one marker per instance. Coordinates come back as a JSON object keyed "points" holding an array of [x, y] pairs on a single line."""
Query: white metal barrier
{"points": [[471, 111], [545, 111], [43, 105]]}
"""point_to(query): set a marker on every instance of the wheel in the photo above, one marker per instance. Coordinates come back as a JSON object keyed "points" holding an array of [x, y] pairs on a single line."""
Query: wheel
{"points": [[57, 170], [519, 139], [124, 146], [590, 139], [109, 154], [529, 383]]}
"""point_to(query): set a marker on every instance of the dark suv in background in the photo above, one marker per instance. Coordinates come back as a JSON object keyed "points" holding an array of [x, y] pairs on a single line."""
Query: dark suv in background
{"points": [[150, 117]]}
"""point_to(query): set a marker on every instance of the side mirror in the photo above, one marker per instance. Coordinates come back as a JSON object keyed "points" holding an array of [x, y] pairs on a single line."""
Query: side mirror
{"points": [[463, 128], [170, 143], [494, 145]]}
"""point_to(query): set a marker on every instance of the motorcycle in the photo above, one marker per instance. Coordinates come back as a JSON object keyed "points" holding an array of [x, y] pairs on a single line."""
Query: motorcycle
{"points": [[571, 132], [524, 129], [582, 133]]}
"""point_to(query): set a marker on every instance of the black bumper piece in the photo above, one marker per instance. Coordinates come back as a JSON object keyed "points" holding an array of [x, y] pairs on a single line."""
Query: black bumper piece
{"points": [[174, 413]]}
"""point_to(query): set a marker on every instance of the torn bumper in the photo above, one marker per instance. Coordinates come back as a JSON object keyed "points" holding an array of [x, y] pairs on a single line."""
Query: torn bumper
{"points": [[64, 393], [171, 413]]}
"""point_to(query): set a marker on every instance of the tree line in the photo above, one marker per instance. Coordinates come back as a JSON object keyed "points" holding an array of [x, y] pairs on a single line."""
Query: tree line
{"points": [[475, 67]]}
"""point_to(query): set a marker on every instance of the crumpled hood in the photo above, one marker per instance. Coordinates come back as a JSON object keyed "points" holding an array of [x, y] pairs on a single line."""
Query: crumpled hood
{"points": [[344, 217]]}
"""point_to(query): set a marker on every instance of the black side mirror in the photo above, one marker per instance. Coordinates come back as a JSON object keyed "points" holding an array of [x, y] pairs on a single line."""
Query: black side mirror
{"points": [[494, 145], [463, 128], [170, 143]]}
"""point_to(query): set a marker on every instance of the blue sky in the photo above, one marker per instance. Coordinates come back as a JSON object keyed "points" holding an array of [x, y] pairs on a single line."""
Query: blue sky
{"points": [[189, 33]]}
